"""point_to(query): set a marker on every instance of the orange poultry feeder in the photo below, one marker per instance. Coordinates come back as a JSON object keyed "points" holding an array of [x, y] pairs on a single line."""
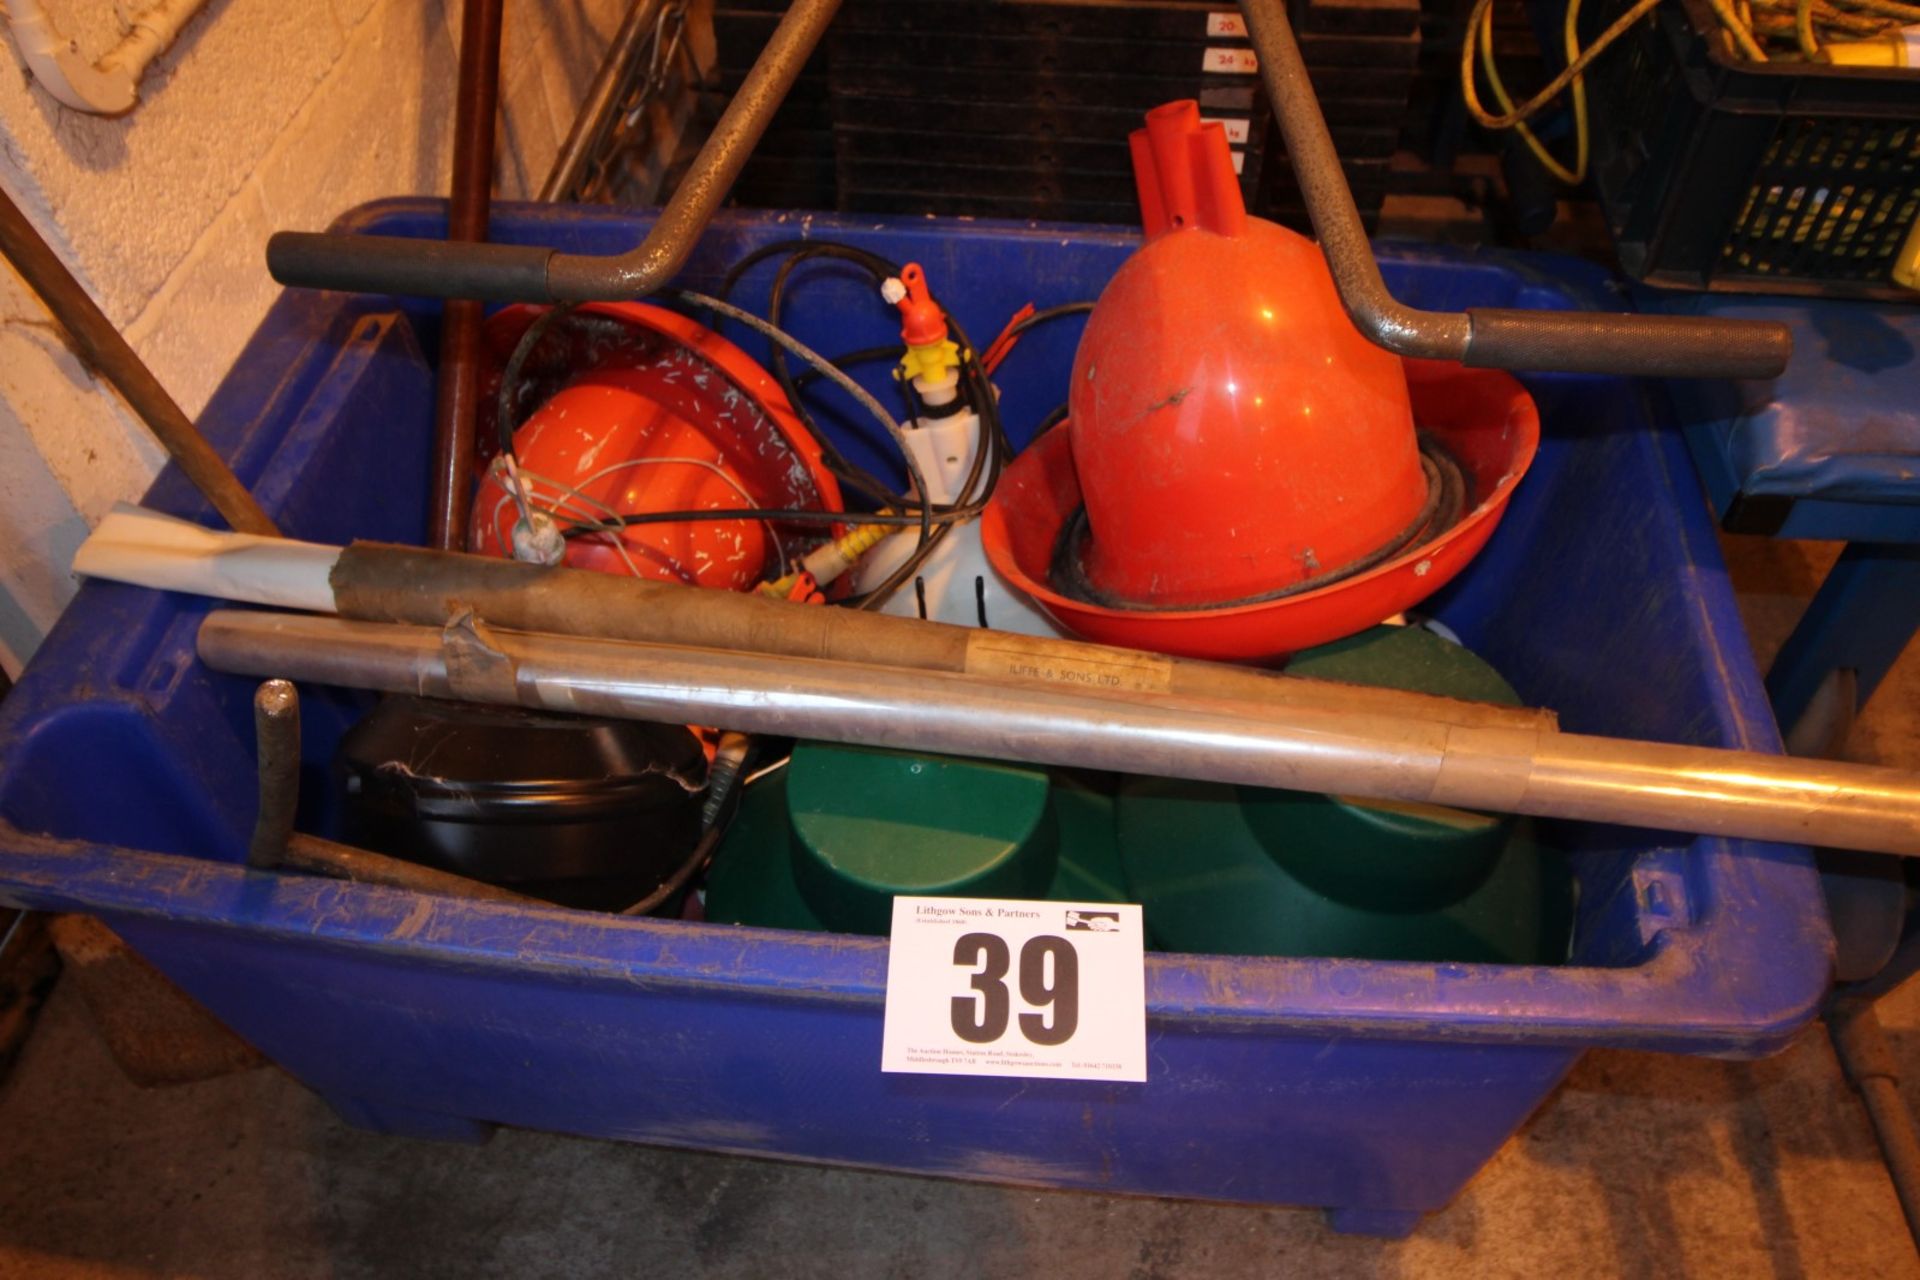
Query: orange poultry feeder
{"points": [[650, 414], [1242, 474]]}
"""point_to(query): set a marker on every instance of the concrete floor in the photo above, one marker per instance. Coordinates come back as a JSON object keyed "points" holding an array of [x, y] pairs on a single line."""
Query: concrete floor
{"points": [[1641, 1165]]}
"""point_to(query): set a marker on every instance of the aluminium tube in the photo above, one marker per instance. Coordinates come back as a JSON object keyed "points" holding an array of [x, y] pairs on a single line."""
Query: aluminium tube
{"points": [[509, 273], [1493, 768], [1495, 338]]}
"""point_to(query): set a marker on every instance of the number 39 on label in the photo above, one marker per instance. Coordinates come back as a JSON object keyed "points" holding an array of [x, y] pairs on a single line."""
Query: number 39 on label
{"points": [[982, 1018], [1008, 988]]}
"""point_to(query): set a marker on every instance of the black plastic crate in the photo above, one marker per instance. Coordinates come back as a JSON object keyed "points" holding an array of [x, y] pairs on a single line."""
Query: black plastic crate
{"points": [[1022, 108], [1716, 173]]}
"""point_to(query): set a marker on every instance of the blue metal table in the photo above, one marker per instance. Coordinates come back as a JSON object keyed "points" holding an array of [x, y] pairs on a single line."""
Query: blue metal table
{"points": [[1829, 451]]}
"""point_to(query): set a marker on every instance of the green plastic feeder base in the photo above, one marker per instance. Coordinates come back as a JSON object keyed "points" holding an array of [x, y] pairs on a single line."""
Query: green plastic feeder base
{"points": [[827, 841], [1248, 871]]}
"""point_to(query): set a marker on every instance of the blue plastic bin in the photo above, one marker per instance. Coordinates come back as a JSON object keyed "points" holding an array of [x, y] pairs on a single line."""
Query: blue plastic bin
{"points": [[1373, 1089]]}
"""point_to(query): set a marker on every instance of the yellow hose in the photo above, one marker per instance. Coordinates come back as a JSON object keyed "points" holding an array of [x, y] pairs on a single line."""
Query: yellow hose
{"points": [[1742, 35], [1578, 173], [1803, 28]]}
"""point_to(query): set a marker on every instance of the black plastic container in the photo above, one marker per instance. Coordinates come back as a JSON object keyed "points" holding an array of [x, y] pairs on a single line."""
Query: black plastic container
{"points": [[1724, 174], [577, 809]]}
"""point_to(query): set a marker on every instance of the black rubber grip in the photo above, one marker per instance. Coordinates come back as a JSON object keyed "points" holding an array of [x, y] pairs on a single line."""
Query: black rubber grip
{"points": [[1622, 343], [408, 267]]}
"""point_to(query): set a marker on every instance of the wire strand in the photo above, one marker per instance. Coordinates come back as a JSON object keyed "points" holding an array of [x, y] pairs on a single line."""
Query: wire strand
{"points": [[826, 367]]}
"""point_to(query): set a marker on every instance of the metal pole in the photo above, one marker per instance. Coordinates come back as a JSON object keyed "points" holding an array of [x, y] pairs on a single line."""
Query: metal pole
{"points": [[1492, 337], [506, 273], [1495, 768], [276, 736], [1869, 1063], [102, 349], [276, 845], [1575, 342], [317, 856], [377, 582], [477, 100], [603, 96]]}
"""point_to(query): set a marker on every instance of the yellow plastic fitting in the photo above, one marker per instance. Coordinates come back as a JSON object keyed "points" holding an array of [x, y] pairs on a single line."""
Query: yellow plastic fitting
{"points": [[1864, 53], [828, 561], [931, 360], [1906, 266], [1895, 48]]}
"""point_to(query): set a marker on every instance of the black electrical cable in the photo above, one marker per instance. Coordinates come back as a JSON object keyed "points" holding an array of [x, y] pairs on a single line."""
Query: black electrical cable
{"points": [[879, 269], [580, 526], [990, 457], [776, 247], [866, 355], [993, 441], [934, 520], [702, 850], [504, 416], [1042, 316], [1445, 504], [1052, 420]]}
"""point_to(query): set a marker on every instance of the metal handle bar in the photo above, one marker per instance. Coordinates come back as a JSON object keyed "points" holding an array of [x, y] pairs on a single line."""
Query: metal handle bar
{"points": [[1566, 341]]}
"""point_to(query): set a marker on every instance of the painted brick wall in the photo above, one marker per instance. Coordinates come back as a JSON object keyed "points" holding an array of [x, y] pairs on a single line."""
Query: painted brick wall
{"points": [[265, 114]]}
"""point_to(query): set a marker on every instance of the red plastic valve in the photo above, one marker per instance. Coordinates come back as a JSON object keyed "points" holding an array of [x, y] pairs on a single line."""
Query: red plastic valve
{"points": [[921, 320], [1183, 170]]}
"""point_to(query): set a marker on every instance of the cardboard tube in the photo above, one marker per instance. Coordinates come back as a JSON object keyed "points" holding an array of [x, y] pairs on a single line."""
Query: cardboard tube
{"points": [[378, 582]]}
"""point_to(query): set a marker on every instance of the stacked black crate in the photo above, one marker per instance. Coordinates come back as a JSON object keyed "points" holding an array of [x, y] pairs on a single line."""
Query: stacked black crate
{"points": [[1022, 108], [1000, 108], [793, 167], [1361, 57]]}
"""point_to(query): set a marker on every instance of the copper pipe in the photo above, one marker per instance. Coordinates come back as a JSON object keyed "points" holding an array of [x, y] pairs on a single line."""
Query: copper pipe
{"points": [[476, 102], [1493, 768], [104, 352]]}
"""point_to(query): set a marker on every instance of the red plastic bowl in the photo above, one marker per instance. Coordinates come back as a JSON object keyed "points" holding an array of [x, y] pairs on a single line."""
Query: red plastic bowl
{"points": [[1484, 417]]}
